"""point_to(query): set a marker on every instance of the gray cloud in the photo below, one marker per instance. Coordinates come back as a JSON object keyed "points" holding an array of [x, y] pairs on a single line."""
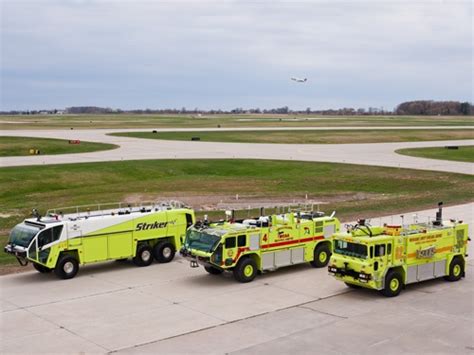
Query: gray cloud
{"points": [[233, 53]]}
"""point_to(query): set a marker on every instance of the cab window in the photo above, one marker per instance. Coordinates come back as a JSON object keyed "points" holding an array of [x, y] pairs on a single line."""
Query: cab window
{"points": [[380, 250], [49, 235], [189, 220], [241, 240], [230, 243], [389, 248]]}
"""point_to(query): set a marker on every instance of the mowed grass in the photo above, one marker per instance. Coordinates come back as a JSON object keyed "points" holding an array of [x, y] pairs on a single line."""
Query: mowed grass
{"points": [[6, 259], [18, 146], [309, 136], [463, 153], [222, 120], [352, 190]]}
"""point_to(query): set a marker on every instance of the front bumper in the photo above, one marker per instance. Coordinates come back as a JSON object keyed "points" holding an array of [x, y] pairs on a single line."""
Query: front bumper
{"points": [[196, 260], [352, 276], [14, 250]]}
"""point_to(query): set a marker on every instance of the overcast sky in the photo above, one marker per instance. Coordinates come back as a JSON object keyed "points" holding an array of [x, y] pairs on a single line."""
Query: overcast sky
{"points": [[227, 54]]}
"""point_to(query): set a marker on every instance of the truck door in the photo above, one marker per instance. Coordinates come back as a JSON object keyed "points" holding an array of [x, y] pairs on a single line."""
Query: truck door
{"points": [[216, 257], [380, 259], [40, 247], [230, 250]]}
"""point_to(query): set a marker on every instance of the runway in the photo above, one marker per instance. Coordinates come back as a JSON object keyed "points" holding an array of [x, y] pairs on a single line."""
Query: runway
{"points": [[376, 154]]}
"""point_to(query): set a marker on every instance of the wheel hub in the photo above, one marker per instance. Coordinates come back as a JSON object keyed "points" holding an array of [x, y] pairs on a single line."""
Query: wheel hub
{"points": [[167, 252], [68, 267], [146, 255], [457, 270], [248, 270], [394, 284], [323, 256]]}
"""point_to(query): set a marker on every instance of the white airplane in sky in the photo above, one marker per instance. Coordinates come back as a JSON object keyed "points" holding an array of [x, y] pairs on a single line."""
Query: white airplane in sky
{"points": [[299, 80]]}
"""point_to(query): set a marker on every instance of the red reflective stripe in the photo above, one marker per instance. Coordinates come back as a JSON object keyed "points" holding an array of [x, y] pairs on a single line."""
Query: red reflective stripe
{"points": [[289, 242], [240, 251], [278, 244]]}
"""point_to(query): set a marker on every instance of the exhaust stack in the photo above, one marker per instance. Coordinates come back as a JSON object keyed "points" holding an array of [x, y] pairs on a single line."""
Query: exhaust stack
{"points": [[439, 215]]}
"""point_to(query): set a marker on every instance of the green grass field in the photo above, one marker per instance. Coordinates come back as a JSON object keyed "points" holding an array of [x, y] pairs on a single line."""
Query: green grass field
{"points": [[464, 153], [308, 136], [244, 120], [18, 146], [352, 190]]}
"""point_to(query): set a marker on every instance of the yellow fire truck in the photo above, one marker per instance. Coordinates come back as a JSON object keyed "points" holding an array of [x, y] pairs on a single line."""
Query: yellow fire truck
{"points": [[62, 241], [389, 257], [266, 243]]}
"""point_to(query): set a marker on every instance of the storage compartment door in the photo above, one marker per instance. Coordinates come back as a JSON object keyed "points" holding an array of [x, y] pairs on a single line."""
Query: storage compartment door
{"points": [[95, 248], [120, 245]]}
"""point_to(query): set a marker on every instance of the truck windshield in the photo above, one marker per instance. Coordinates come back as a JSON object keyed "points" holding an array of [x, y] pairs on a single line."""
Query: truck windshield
{"points": [[350, 249], [22, 234], [201, 241]]}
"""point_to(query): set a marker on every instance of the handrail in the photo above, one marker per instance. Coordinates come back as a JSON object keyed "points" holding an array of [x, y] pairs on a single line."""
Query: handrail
{"points": [[101, 207]]}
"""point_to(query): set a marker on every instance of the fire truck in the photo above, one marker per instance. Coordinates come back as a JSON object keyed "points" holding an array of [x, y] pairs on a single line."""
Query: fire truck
{"points": [[247, 247], [388, 257], [61, 242]]}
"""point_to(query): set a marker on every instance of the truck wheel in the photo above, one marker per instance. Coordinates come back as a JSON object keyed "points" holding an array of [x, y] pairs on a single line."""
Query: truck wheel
{"points": [[246, 270], [456, 270], [41, 268], [144, 255], [322, 255], [352, 285], [393, 284], [213, 270], [67, 267], [164, 252]]}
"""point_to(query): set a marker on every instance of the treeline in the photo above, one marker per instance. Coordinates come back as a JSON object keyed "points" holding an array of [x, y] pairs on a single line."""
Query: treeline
{"points": [[420, 107], [432, 108]]}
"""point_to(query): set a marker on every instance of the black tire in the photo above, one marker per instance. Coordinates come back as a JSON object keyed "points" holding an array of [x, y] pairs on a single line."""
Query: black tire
{"points": [[213, 271], [41, 268], [246, 270], [456, 270], [322, 254], [164, 252], [67, 267], [393, 284], [144, 256], [352, 285]]}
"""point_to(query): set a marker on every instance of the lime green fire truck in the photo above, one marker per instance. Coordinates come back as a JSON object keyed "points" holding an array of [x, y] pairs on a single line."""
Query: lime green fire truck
{"points": [[388, 257], [61, 242], [261, 244]]}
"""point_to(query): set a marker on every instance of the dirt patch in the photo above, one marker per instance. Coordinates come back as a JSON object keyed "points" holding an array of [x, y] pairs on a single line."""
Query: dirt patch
{"points": [[239, 201], [7, 215], [14, 269]]}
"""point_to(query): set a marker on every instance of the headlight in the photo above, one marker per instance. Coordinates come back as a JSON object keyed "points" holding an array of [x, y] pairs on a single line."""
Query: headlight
{"points": [[332, 269]]}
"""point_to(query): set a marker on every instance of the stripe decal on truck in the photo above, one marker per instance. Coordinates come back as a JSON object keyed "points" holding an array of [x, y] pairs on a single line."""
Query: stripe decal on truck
{"points": [[289, 242]]}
